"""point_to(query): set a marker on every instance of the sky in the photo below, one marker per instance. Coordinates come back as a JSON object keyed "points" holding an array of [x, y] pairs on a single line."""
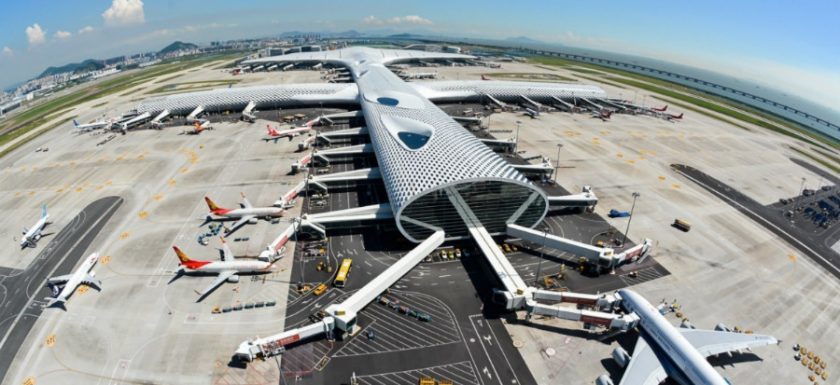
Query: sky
{"points": [[791, 46]]}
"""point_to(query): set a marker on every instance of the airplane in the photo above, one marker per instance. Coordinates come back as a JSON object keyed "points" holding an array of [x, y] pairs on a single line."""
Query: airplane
{"points": [[663, 350], [33, 234], [275, 135], [91, 126], [199, 125], [660, 109], [485, 77], [227, 269], [245, 214], [532, 113], [673, 117], [604, 114], [82, 276]]}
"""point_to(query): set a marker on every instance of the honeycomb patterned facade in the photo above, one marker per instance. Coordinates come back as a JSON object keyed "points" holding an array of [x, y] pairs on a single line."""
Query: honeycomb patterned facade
{"points": [[263, 96]]}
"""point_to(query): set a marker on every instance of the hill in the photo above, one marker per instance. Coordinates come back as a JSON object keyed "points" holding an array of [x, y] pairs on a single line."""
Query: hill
{"points": [[87, 65], [177, 46]]}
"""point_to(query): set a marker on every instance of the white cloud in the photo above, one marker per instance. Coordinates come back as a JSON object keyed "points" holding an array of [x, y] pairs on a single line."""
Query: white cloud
{"points": [[86, 29], [408, 19], [8, 52], [35, 34], [123, 12], [62, 34]]}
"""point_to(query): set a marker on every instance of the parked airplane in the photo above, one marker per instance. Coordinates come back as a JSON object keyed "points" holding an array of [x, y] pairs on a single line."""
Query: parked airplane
{"points": [[660, 109], [532, 113], [485, 77], [227, 269], [245, 214], [673, 117], [92, 125], [274, 134], [82, 276], [199, 125], [604, 114], [33, 234], [663, 350]]}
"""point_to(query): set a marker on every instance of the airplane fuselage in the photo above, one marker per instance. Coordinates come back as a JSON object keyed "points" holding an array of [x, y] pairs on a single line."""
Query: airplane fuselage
{"points": [[259, 212], [692, 367], [215, 267], [78, 276], [33, 234]]}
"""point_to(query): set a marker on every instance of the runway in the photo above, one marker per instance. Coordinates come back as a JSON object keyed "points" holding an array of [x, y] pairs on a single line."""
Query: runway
{"points": [[22, 291]]}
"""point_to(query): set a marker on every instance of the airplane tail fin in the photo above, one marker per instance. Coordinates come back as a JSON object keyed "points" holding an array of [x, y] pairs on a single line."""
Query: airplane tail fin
{"points": [[181, 256], [212, 205], [43, 211], [75, 123], [271, 130], [678, 116]]}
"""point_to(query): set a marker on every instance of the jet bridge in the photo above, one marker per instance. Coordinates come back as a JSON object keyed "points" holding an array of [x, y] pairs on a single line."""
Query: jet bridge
{"points": [[531, 103], [503, 145], [248, 112], [586, 198], [568, 106], [330, 119], [328, 137], [321, 182], [497, 102], [534, 170], [316, 224], [360, 149], [602, 256], [341, 316], [594, 105], [195, 113], [157, 121]]}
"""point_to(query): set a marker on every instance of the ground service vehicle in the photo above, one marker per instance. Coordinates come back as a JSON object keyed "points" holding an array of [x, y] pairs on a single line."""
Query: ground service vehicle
{"points": [[682, 225], [343, 272]]}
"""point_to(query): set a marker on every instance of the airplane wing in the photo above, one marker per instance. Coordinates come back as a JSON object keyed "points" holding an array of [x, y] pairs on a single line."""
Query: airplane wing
{"points": [[61, 279], [505, 90], [712, 342], [227, 255], [644, 367], [241, 222], [223, 276], [92, 282]]}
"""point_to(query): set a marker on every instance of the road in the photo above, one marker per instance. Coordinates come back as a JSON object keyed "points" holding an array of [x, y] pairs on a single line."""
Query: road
{"points": [[23, 290], [816, 245]]}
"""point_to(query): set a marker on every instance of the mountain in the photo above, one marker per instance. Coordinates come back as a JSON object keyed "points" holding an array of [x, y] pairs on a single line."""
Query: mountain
{"points": [[87, 65], [177, 46]]}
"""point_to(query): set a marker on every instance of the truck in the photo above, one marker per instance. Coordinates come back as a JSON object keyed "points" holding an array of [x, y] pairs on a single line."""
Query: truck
{"points": [[682, 225], [618, 214]]}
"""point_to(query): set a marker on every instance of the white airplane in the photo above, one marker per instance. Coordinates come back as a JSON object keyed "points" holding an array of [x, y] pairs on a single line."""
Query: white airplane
{"points": [[33, 234], [92, 125], [227, 269], [72, 281], [274, 134], [664, 351], [245, 213]]}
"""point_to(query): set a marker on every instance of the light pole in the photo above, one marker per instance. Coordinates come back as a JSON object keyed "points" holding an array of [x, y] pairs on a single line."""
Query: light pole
{"points": [[542, 251], [557, 163], [798, 198], [635, 195], [516, 143]]}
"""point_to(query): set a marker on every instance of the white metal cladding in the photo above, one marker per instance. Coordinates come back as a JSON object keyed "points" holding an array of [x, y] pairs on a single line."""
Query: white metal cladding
{"points": [[506, 90], [262, 95]]}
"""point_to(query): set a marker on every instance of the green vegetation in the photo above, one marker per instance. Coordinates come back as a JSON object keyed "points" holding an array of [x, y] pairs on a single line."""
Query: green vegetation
{"points": [[819, 160], [44, 111], [531, 77], [827, 155], [17, 133], [602, 81], [715, 103], [585, 71], [98, 105], [191, 86], [177, 46]]}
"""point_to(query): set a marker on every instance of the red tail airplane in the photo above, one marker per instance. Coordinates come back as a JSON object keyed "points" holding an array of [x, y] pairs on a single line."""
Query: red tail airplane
{"points": [[660, 109]]}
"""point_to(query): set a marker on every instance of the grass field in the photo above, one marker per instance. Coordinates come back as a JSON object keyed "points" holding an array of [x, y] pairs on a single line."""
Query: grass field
{"points": [[530, 77], [831, 166], [41, 113]]}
